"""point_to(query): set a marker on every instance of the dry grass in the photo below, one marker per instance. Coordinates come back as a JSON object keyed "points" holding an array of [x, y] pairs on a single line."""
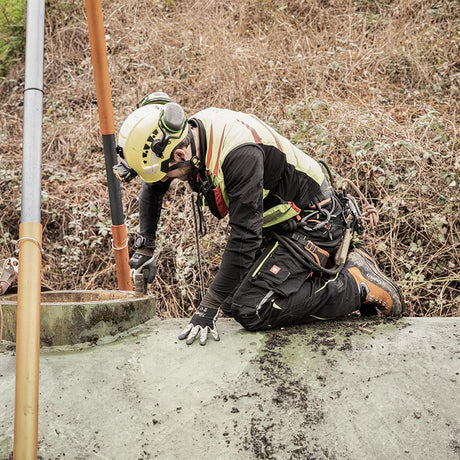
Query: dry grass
{"points": [[371, 87]]}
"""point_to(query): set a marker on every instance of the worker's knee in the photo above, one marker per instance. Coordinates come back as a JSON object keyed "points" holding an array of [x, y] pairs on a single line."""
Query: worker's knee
{"points": [[249, 305], [248, 317], [251, 324]]}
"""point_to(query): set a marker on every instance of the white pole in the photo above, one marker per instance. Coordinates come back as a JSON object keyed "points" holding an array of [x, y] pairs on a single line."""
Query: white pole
{"points": [[33, 112]]}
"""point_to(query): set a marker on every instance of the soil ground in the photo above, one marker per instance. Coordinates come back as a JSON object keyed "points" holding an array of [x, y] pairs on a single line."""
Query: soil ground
{"points": [[351, 389]]}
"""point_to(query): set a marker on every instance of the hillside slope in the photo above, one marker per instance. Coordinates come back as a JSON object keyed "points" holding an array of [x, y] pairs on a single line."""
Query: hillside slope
{"points": [[371, 87]]}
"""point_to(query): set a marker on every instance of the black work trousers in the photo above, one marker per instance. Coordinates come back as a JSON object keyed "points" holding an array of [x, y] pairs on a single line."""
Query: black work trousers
{"points": [[281, 291]]}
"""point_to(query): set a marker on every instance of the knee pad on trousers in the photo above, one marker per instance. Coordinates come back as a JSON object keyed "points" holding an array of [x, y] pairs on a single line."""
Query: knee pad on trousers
{"points": [[248, 317]]}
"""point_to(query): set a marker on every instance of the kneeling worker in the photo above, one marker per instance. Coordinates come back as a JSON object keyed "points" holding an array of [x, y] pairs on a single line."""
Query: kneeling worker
{"points": [[279, 266]]}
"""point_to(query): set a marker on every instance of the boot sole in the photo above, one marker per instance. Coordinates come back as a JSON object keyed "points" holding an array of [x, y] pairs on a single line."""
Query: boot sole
{"points": [[371, 265]]}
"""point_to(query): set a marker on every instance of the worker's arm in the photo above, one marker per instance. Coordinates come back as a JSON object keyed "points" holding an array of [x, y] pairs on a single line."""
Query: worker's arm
{"points": [[243, 173], [150, 201]]}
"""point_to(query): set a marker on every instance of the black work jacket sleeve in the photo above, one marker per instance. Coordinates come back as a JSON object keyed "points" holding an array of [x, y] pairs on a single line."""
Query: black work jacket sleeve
{"points": [[150, 201], [243, 170]]}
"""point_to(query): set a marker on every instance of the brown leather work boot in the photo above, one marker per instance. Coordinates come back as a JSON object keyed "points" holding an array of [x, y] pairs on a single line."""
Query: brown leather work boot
{"points": [[375, 288]]}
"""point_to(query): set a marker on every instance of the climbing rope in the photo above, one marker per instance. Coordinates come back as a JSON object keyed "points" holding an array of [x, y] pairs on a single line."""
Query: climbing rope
{"points": [[195, 207], [369, 212]]}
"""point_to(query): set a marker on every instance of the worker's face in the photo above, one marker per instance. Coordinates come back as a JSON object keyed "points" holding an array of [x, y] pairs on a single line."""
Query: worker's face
{"points": [[185, 172]]}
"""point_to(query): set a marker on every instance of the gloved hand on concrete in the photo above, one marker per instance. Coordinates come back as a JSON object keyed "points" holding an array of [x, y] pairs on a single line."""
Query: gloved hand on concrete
{"points": [[203, 321], [143, 258]]}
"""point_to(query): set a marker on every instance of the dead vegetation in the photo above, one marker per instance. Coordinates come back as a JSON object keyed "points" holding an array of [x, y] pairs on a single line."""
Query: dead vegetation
{"points": [[370, 86]]}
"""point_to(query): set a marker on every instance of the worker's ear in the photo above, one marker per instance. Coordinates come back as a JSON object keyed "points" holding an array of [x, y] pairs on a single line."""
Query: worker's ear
{"points": [[180, 155]]}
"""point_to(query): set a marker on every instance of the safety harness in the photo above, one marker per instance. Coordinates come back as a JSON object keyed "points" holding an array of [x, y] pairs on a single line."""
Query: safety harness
{"points": [[332, 219], [297, 235]]}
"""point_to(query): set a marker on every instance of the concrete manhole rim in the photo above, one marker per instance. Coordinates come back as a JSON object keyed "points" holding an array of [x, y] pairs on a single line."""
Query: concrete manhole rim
{"points": [[124, 296], [78, 316]]}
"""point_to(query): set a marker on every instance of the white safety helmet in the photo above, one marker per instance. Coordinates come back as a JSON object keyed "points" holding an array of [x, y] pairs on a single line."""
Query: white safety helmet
{"points": [[148, 137]]}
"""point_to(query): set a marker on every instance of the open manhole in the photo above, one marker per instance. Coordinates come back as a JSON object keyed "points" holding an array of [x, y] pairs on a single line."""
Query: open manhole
{"points": [[71, 317]]}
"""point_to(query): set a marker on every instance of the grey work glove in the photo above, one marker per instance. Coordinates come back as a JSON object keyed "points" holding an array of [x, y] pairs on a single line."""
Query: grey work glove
{"points": [[203, 321], [143, 259]]}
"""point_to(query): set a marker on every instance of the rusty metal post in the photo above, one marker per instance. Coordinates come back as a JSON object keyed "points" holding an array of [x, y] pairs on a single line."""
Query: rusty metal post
{"points": [[105, 109]]}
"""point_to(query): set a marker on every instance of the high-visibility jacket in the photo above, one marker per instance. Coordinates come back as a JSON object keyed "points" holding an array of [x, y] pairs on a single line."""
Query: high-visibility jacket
{"points": [[227, 130], [258, 176]]}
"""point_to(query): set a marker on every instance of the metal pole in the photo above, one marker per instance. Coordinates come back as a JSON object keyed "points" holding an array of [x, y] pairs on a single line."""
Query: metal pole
{"points": [[105, 109], [30, 240]]}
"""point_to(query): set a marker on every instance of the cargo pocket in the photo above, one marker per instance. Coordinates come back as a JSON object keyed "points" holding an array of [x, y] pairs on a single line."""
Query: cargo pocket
{"points": [[279, 272]]}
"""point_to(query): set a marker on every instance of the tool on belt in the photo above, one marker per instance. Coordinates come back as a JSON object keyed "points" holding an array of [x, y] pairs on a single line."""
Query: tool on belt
{"points": [[303, 236]]}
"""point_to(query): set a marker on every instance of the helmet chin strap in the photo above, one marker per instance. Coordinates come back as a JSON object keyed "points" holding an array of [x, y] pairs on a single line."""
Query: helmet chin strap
{"points": [[194, 160]]}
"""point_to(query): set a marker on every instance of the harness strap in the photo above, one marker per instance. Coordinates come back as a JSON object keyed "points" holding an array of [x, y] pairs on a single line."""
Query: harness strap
{"points": [[305, 258]]}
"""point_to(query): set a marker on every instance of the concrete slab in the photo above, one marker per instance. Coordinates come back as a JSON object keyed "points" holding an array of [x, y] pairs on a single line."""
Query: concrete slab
{"points": [[351, 389]]}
